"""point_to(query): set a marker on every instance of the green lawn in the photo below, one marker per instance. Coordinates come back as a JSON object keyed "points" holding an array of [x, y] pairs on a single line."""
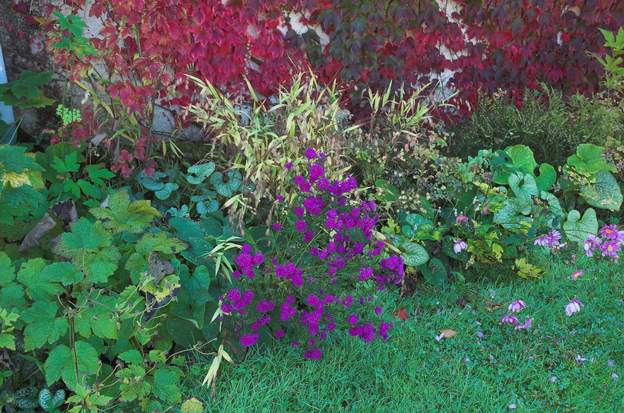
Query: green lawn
{"points": [[539, 370]]}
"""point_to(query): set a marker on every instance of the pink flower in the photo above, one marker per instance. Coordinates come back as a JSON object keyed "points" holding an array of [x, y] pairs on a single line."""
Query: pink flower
{"points": [[574, 306], [576, 274], [516, 306], [509, 319], [461, 218], [528, 323]]}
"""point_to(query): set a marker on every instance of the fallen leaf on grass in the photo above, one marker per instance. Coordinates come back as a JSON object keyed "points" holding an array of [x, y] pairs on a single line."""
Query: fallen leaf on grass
{"points": [[446, 333], [401, 313]]}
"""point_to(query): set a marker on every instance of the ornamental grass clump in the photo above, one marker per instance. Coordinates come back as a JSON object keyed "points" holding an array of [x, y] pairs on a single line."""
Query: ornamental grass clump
{"points": [[318, 270]]}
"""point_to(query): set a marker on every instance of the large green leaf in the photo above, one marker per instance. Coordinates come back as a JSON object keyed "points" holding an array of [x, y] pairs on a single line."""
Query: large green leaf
{"points": [[123, 215], [90, 248], [42, 325], [414, 254], [70, 365], [198, 173], [577, 229], [605, 193], [547, 177], [589, 160], [523, 186], [40, 284]]}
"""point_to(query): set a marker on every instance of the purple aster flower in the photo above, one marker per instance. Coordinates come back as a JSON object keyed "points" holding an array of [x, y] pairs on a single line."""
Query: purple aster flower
{"points": [[610, 249], [459, 246], [574, 306], [302, 183], [288, 165], [279, 334], [591, 243], [248, 340], [316, 172], [233, 295], [516, 306], [310, 153], [313, 354], [352, 319], [528, 323], [280, 197], [378, 310], [509, 319], [276, 226], [301, 226], [265, 306], [383, 330], [365, 273], [609, 232], [550, 240]]}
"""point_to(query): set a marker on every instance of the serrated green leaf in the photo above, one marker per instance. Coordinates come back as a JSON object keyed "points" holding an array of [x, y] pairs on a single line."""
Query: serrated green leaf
{"points": [[90, 248], [40, 285], [7, 271], [166, 385], [123, 215], [72, 366], [42, 325]]}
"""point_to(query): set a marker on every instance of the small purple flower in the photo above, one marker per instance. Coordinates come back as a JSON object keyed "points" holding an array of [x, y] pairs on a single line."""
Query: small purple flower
{"points": [[310, 153], [365, 273], [248, 340], [313, 354], [509, 319], [591, 243], [574, 306], [516, 306], [301, 226], [550, 240], [288, 165], [265, 306], [610, 249], [528, 323], [459, 246], [378, 310], [276, 227], [279, 334], [352, 319], [609, 232]]}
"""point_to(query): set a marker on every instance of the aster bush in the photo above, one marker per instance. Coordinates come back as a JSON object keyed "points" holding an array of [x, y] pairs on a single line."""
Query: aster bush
{"points": [[317, 271]]}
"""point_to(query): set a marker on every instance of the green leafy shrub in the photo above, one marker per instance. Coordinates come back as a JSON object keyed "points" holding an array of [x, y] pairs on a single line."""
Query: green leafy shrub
{"points": [[108, 306], [551, 125]]}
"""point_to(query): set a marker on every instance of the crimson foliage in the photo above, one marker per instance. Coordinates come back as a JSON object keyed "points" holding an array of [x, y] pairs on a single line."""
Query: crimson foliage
{"points": [[510, 44]]}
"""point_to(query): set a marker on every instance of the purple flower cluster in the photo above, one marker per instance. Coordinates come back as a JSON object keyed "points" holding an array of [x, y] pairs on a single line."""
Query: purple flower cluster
{"points": [[323, 248], [607, 244], [550, 240], [515, 307]]}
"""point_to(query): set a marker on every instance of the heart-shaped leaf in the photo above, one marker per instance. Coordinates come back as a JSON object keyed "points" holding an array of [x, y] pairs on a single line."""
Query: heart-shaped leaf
{"points": [[196, 174], [605, 193], [226, 187], [415, 254], [577, 229]]}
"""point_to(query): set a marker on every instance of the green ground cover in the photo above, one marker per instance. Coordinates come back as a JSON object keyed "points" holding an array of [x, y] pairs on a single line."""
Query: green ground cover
{"points": [[562, 364]]}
